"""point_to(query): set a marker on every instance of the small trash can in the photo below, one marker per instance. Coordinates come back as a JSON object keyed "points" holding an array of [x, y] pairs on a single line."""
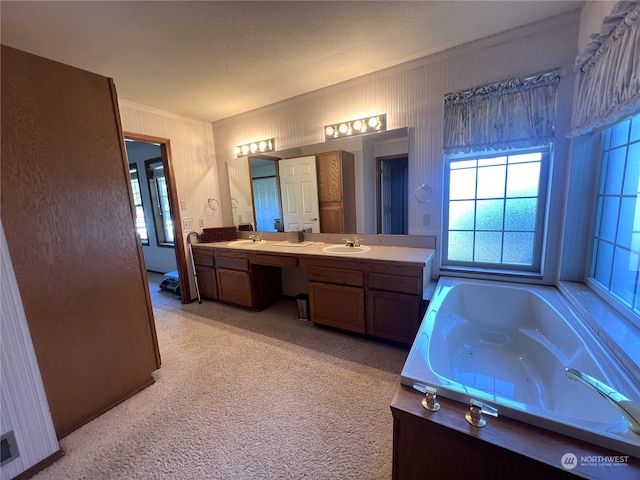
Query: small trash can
{"points": [[302, 299]]}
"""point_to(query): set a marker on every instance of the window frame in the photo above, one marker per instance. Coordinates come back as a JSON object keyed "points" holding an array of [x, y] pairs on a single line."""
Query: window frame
{"points": [[133, 176], [536, 270], [604, 292], [160, 226]]}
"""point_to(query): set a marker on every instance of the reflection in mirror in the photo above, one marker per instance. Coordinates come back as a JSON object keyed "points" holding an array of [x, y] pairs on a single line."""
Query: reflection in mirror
{"points": [[372, 153]]}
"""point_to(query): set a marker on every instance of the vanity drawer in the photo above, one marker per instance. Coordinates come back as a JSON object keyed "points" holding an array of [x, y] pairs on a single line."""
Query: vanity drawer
{"points": [[203, 256], [276, 260], [232, 261], [204, 260], [394, 268], [338, 276], [395, 283]]}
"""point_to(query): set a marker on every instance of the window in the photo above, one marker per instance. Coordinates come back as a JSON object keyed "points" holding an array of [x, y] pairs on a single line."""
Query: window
{"points": [[616, 241], [141, 224], [160, 202], [494, 210]]}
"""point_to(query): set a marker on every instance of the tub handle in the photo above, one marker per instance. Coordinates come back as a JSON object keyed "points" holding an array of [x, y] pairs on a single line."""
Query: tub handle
{"points": [[476, 409], [429, 401]]}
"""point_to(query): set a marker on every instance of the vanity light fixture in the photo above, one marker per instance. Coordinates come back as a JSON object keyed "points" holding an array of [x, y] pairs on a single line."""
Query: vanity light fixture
{"points": [[375, 123], [259, 146]]}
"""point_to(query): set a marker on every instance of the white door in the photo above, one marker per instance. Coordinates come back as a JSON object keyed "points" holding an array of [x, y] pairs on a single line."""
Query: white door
{"points": [[299, 190], [266, 203]]}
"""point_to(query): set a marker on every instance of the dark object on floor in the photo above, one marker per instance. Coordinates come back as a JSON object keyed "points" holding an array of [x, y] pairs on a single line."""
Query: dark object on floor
{"points": [[171, 282]]}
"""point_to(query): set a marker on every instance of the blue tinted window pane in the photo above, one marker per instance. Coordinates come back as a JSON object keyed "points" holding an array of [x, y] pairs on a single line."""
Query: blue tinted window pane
{"points": [[635, 129], [620, 134], [526, 157], [615, 171], [629, 221], [625, 269], [463, 164], [488, 247], [609, 218], [484, 162], [491, 181], [604, 261], [461, 215], [523, 180], [520, 214], [490, 213], [460, 246], [518, 248], [462, 184], [632, 175]]}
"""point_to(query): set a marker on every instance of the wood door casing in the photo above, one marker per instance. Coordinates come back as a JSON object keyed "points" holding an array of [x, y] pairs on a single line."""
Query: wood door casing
{"points": [[66, 210]]}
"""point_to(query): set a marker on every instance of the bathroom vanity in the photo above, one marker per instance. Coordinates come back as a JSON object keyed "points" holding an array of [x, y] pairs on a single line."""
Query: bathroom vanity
{"points": [[378, 292]]}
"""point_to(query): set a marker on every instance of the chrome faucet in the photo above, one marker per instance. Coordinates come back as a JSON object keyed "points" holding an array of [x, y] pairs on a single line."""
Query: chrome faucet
{"points": [[628, 408], [352, 243], [255, 238]]}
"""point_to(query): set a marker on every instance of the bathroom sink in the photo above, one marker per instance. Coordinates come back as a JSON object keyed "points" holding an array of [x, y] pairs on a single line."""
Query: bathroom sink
{"points": [[244, 243], [345, 250]]}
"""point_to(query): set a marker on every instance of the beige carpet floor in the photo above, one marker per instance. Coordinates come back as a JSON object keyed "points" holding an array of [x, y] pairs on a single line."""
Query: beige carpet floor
{"points": [[246, 395]]}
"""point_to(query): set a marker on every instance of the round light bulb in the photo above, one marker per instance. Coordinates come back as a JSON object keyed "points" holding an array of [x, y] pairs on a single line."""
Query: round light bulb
{"points": [[358, 125], [245, 149], [343, 128], [329, 131], [237, 150], [373, 122], [263, 146], [253, 147]]}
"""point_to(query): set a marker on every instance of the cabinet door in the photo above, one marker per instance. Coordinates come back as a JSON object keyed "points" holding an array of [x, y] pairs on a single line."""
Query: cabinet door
{"points": [[337, 306], [332, 218], [207, 282], [394, 316], [234, 287], [329, 178]]}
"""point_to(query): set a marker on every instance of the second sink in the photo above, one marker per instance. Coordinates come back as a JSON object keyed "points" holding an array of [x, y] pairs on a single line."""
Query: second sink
{"points": [[345, 250]]}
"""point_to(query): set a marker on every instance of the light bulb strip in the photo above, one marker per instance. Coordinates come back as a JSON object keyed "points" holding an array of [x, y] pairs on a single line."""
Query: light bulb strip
{"points": [[374, 123], [259, 146]]}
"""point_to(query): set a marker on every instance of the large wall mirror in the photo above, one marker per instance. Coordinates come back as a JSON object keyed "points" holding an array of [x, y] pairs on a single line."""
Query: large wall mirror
{"points": [[378, 180]]}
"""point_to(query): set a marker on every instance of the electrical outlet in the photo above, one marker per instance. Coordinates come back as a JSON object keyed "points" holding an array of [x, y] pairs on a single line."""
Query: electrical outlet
{"points": [[187, 222], [183, 204], [426, 219], [201, 222]]}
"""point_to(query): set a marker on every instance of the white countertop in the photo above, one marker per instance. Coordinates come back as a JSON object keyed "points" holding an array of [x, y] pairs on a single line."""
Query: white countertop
{"points": [[418, 256]]}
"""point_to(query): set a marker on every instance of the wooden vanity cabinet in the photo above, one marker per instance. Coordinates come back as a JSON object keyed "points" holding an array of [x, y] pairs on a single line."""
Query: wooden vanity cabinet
{"points": [[245, 284], [394, 301], [336, 293], [204, 262], [336, 192]]}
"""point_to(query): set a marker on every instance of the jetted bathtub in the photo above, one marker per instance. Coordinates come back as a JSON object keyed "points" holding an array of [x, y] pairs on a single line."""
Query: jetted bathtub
{"points": [[507, 345]]}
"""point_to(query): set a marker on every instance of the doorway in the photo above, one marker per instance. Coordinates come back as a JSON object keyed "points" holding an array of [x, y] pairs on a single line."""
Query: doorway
{"points": [[392, 192], [160, 233]]}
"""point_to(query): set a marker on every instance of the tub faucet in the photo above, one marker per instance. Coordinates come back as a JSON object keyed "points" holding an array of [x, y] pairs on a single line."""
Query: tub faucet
{"points": [[628, 408]]}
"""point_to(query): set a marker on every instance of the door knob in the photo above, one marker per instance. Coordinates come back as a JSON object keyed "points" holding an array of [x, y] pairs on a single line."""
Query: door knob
{"points": [[314, 219]]}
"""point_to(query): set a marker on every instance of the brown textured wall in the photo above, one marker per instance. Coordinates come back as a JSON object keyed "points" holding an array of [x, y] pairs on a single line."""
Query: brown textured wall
{"points": [[67, 215]]}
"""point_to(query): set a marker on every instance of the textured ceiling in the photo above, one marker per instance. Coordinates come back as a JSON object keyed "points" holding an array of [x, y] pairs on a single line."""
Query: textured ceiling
{"points": [[212, 60]]}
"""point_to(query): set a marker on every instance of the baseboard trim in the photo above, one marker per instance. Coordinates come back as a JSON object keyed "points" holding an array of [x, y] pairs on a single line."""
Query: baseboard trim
{"points": [[41, 465]]}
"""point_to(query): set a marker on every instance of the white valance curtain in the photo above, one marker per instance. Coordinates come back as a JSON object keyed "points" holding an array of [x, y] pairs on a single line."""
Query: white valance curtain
{"points": [[515, 113], [609, 72]]}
